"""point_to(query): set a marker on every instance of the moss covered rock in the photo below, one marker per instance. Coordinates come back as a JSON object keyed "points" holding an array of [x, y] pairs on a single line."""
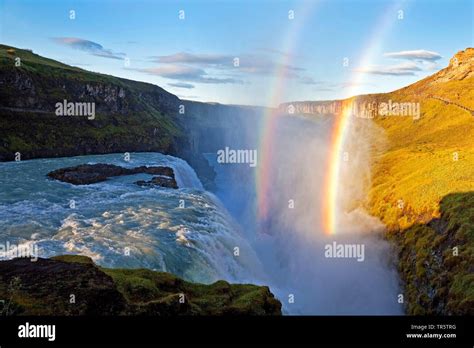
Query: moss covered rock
{"points": [[74, 285]]}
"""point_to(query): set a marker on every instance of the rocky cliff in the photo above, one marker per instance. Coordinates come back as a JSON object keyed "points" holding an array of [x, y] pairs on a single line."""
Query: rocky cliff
{"points": [[446, 85], [322, 108], [129, 116]]}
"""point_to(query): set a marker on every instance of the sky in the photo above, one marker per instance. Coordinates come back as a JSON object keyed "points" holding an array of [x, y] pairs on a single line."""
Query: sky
{"points": [[248, 52]]}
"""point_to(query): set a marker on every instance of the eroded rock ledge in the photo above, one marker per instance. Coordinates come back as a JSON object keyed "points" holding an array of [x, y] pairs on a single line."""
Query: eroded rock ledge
{"points": [[85, 174], [45, 287]]}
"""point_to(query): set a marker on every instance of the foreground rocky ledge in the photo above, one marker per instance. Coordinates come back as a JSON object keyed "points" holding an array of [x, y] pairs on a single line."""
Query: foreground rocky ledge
{"points": [[85, 174], [47, 287]]}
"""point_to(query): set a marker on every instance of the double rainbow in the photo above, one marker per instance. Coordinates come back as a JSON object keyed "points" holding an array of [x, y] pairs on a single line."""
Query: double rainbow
{"points": [[341, 125], [290, 44]]}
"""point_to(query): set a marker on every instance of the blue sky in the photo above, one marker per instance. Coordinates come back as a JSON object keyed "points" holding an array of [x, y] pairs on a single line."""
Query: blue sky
{"points": [[279, 58]]}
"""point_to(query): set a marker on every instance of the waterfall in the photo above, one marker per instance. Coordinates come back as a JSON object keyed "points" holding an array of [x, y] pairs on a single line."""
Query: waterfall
{"points": [[120, 224], [185, 175]]}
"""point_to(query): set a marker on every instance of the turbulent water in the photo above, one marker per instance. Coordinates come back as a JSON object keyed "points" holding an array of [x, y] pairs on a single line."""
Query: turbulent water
{"points": [[120, 224]]}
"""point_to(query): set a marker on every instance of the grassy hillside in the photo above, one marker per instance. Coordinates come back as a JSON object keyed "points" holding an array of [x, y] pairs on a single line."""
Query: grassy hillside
{"points": [[423, 188], [430, 157], [130, 116]]}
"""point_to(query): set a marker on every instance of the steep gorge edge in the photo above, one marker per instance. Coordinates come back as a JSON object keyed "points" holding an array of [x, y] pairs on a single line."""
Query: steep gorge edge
{"points": [[425, 231], [427, 165]]}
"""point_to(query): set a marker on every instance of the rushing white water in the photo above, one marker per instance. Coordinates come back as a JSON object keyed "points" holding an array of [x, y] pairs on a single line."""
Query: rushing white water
{"points": [[120, 224]]}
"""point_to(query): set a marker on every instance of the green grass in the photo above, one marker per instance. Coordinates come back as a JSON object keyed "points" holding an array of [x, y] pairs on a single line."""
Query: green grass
{"points": [[74, 259], [144, 287], [418, 166]]}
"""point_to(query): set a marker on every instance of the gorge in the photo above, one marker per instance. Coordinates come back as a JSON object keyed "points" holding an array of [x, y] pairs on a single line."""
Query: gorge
{"points": [[285, 249]]}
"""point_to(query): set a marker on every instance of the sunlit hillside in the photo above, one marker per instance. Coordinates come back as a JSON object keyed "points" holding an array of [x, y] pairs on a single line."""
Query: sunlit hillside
{"points": [[430, 157], [423, 188]]}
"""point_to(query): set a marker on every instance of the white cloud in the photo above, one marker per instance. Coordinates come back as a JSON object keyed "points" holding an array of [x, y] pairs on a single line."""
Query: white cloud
{"points": [[415, 55], [88, 46], [187, 73], [402, 69], [181, 85], [190, 58]]}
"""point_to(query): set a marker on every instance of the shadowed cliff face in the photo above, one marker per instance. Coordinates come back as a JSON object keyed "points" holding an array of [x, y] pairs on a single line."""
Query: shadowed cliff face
{"points": [[437, 260], [210, 128], [73, 285]]}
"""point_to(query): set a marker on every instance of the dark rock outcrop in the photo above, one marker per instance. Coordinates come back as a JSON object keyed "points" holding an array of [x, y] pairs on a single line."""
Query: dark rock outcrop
{"points": [[74, 285], [162, 181], [85, 174], [49, 286]]}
